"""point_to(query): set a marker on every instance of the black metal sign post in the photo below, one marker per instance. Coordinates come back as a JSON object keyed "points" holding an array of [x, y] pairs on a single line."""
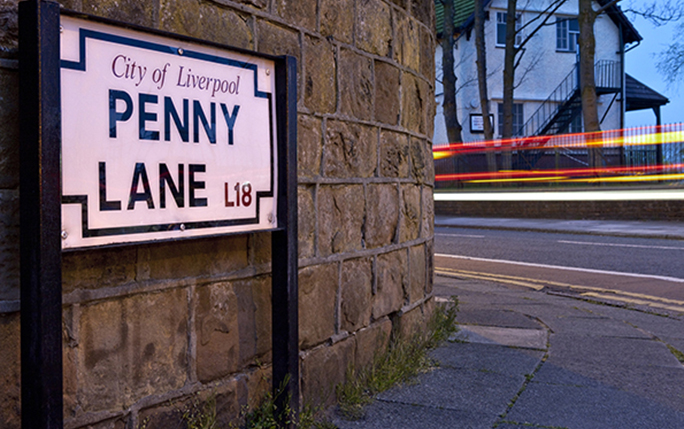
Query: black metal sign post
{"points": [[41, 223], [284, 254], [41, 257]]}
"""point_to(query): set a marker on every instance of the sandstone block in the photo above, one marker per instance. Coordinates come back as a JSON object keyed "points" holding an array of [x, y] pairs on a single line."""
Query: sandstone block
{"points": [[357, 293], [323, 369], [394, 154], [10, 371], [400, 3], [382, 215], [258, 4], [300, 13], [276, 40], [9, 118], [411, 323], [341, 214], [424, 11], [427, 227], [115, 423], [350, 150], [422, 161], [374, 27], [306, 221], [417, 273], [98, 268], [218, 335], [337, 19], [225, 26], [9, 245], [411, 213], [193, 258], [309, 146], [392, 282], [131, 348], [427, 53], [320, 89], [180, 16], [414, 103], [135, 12], [371, 342], [9, 31], [253, 318], [387, 90], [317, 303], [260, 245], [407, 43], [429, 266], [356, 85]]}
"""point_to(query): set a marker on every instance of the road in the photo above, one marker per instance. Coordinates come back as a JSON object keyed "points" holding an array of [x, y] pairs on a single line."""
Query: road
{"points": [[637, 271]]}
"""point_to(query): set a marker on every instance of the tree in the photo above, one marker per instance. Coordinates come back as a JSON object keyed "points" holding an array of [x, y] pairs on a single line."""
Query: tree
{"points": [[513, 55], [671, 61], [482, 79], [453, 127], [654, 12]]}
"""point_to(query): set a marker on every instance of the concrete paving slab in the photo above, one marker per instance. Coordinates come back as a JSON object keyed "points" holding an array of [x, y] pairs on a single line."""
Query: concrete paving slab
{"points": [[487, 358], [456, 389], [590, 408], [594, 326], [504, 319], [389, 415], [511, 337], [661, 385], [606, 352]]}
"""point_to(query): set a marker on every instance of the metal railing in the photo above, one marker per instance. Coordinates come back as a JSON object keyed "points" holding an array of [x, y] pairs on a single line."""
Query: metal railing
{"points": [[607, 78]]}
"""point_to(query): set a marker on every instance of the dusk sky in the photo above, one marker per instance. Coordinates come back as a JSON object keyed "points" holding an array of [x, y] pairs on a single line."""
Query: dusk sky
{"points": [[641, 64]]}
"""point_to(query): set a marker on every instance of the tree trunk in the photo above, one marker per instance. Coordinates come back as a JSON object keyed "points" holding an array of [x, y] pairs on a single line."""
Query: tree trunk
{"points": [[587, 46], [482, 80], [449, 77], [508, 82]]}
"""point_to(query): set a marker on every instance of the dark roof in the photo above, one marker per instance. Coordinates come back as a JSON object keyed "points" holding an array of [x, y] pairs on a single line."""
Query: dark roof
{"points": [[463, 12], [640, 96], [463, 18]]}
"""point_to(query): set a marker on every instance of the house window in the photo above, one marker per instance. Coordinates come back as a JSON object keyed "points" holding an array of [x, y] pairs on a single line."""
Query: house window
{"points": [[501, 29], [518, 120], [567, 34]]}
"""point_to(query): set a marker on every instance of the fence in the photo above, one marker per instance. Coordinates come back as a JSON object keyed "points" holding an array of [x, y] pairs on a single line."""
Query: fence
{"points": [[644, 155]]}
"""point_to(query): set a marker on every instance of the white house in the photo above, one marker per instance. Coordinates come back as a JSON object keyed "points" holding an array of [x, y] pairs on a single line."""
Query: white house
{"points": [[546, 77]]}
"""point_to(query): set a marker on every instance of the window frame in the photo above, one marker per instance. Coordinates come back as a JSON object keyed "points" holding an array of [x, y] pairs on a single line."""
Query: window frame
{"points": [[501, 23], [518, 113], [566, 37]]}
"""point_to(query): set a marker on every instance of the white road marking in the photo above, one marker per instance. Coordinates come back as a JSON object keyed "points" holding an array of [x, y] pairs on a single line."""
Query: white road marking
{"points": [[460, 235], [558, 267], [639, 246]]}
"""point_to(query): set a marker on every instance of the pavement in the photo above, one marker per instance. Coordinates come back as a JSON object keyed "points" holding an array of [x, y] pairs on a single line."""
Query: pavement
{"points": [[541, 359]]}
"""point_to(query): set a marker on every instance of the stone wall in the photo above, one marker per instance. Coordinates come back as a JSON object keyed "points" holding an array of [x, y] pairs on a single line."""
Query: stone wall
{"points": [[151, 328]]}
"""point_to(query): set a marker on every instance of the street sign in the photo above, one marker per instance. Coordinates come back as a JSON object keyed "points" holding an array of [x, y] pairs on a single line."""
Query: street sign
{"points": [[162, 138]]}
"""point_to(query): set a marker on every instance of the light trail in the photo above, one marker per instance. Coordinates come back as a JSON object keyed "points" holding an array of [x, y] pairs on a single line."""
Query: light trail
{"points": [[636, 246], [573, 146], [629, 195]]}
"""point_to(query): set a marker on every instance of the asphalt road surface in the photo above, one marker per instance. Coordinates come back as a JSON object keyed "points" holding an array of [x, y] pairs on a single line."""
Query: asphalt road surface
{"points": [[639, 271]]}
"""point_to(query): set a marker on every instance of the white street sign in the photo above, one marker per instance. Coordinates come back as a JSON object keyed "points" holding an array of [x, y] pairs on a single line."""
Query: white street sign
{"points": [[162, 139]]}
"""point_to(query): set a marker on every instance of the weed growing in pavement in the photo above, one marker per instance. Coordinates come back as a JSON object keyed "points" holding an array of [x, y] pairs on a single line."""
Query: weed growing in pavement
{"points": [[403, 360], [679, 355]]}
